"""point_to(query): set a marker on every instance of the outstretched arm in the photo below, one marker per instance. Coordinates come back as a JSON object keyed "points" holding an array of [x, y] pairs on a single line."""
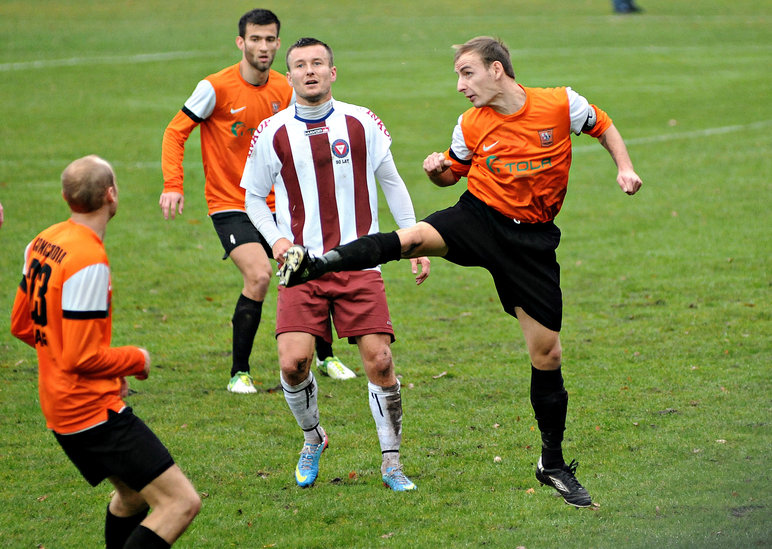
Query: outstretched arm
{"points": [[437, 168], [628, 180]]}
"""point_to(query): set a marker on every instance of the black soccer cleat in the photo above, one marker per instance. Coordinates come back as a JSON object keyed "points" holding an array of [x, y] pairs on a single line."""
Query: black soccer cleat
{"points": [[297, 268], [564, 481]]}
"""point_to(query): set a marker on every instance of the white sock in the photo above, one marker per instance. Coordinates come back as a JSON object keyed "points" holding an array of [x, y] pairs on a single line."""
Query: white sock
{"points": [[301, 399], [386, 407]]}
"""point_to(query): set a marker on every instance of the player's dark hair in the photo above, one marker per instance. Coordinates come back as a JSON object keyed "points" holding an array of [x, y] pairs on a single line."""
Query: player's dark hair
{"points": [[258, 17], [305, 42], [490, 50], [85, 181]]}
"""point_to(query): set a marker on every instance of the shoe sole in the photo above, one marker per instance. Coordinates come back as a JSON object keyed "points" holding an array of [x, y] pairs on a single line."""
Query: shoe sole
{"points": [[292, 261]]}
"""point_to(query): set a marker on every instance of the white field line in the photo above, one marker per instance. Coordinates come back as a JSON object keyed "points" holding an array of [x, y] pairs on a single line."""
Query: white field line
{"points": [[696, 134], [165, 56], [592, 147], [103, 60]]}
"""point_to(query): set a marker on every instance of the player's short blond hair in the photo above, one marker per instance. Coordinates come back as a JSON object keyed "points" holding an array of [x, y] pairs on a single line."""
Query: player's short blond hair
{"points": [[85, 181], [489, 49]]}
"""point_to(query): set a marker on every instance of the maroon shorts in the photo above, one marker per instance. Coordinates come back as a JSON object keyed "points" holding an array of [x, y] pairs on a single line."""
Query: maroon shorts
{"points": [[356, 300]]}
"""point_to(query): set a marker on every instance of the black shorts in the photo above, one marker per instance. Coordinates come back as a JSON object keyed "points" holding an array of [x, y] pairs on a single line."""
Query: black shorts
{"points": [[122, 447], [235, 229], [520, 256]]}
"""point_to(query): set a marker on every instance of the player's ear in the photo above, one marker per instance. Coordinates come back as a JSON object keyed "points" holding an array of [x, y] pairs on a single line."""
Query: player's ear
{"points": [[111, 194], [497, 68]]}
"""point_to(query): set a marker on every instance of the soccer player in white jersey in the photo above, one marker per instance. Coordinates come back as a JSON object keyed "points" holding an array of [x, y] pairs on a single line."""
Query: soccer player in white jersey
{"points": [[322, 157]]}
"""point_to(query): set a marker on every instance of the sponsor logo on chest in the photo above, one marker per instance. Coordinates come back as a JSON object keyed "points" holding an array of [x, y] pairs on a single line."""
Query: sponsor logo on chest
{"points": [[545, 137]]}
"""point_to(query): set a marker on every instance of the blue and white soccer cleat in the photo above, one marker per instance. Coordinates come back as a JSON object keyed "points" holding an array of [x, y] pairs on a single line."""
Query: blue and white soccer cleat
{"points": [[395, 479], [308, 465]]}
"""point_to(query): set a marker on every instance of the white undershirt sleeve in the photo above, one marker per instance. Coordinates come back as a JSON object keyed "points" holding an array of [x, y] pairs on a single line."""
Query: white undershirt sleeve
{"points": [[262, 217], [396, 193]]}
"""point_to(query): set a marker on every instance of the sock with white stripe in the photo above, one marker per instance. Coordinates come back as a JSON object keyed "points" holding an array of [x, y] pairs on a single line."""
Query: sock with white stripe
{"points": [[386, 407], [302, 402]]}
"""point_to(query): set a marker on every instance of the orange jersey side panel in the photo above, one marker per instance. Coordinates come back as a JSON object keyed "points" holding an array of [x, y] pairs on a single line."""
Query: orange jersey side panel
{"points": [[78, 372], [225, 136], [520, 162]]}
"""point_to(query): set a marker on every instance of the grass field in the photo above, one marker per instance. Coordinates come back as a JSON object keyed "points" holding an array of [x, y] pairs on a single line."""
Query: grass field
{"points": [[667, 333]]}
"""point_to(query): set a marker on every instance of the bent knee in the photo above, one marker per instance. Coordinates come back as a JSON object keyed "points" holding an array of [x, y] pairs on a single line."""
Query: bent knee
{"points": [[295, 369], [192, 506], [379, 361], [548, 358], [256, 282]]}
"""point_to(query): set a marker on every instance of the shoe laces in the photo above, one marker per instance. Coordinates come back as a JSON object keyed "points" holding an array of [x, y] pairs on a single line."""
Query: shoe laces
{"points": [[570, 477], [397, 474], [308, 452]]}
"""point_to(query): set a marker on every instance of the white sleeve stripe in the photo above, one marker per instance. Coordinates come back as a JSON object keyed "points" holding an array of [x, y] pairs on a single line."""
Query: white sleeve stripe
{"points": [[87, 290], [579, 109], [202, 100]]}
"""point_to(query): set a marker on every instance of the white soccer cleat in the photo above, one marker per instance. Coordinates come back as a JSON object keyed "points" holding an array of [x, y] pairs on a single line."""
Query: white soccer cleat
{"points": [[333, 367], [242, 383]]}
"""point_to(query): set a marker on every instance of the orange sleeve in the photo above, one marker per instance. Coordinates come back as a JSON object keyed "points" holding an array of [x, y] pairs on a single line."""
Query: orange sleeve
{"points": [[173, 150], [460, 169], [86, 351], [21, 321], [602, 124]]}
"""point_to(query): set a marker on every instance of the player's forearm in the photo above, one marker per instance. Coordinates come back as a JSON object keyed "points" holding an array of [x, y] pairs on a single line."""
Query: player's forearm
{"points": [[21, 323], [104, 362], [262, 218], [612, 141], [173, 151]]}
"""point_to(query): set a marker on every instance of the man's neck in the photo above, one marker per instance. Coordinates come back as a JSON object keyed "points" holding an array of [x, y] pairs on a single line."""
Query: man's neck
{"points": [[510, 100], [96, 221], [252, 75]]}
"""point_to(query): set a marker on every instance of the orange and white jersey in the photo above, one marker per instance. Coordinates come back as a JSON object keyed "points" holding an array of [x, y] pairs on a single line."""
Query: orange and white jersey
{"points": [[228, 108], [518, 164], [62, 308]]}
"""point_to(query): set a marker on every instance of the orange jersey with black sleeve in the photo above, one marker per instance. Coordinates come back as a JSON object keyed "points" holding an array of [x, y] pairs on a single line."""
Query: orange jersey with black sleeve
{"points": [[228, 109], [518, 164], [62, 308]]}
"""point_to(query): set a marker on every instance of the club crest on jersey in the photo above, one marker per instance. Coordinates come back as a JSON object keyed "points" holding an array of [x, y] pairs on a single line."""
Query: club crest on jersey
{"points": [[340, 148], [275, 105], [545, 136]]}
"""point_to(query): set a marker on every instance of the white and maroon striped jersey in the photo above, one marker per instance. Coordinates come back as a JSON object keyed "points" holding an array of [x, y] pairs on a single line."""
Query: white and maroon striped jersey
{"points": [[324, 174]]}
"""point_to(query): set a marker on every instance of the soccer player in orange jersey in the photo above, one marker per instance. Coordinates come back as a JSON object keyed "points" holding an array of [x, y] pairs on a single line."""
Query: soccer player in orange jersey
{"points": [[63, 309], [514, 148], [229, 106]]}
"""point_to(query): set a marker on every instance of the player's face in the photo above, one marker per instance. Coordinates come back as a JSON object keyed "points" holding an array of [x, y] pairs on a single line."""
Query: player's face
{"points": [[311, 74], [475, 81], [259, 45]]}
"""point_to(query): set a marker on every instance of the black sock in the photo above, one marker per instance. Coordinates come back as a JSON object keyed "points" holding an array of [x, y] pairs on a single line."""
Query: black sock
{"points": [[145, 538], [118, 529], [550, 405], [246, 319], [323, 349], [363, 253]]}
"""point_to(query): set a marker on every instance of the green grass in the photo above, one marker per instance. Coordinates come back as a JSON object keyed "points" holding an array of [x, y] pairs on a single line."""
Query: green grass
{"points": [[666, 337]]}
